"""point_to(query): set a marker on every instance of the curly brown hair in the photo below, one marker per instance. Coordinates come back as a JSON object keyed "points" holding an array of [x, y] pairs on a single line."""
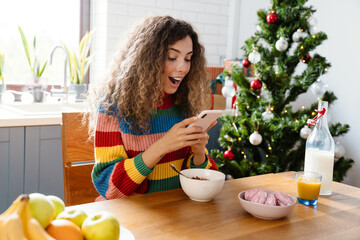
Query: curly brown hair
{"points": [[134, 83]]}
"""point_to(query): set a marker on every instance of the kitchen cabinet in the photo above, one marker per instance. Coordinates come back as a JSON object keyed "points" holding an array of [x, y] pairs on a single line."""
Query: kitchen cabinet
{"points": [[31, 161]]}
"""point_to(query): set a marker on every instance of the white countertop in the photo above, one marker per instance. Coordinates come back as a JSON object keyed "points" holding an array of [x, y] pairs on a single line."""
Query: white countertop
{"points": [[17, 115]]}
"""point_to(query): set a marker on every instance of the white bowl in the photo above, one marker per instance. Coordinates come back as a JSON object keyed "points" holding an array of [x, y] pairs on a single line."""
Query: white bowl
{"points": [[266, 211], [202, 190]]}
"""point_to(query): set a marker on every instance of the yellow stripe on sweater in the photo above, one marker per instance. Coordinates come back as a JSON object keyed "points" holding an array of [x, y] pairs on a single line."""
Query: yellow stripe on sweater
{"points": [[208, 166], [107, 154], [132, 171], [163, 170]]}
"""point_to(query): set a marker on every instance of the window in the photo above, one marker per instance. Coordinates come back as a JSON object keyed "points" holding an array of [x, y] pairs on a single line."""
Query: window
{"points": [[52, 22]]}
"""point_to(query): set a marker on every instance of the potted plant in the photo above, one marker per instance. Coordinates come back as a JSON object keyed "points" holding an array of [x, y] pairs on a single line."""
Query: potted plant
{"points": [[79, 63], [37, 68], [2, 81]]}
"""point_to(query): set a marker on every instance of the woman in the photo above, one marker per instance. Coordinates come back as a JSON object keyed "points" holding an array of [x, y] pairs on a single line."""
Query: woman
{"points": [[156, 85]]}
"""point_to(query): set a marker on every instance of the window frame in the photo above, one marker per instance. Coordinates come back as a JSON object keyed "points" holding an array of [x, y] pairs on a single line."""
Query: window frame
{"points": [[85, 8]]}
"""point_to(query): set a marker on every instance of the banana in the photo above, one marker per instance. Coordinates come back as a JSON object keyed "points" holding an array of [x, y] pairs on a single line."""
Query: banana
{"points": [[36, 231], [10, 210], [32, 228], [17, 222], [11, 222]]}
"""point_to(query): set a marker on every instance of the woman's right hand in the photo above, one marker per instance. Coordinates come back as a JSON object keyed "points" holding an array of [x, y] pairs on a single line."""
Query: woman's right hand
{"points": [[180, 136]]}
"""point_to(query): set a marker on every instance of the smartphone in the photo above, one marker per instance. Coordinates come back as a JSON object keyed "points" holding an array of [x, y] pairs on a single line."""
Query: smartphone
{"points": [[206, 118]]}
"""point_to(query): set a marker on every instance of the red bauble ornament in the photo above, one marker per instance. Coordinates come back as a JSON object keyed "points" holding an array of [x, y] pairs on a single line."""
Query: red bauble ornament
{"points": [[246, 63], [229, 155], [306, 59], [271, 18], [255, 84]]}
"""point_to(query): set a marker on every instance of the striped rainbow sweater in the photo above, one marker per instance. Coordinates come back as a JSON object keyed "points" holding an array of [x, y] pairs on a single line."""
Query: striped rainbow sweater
{"points": [[119, 170]]}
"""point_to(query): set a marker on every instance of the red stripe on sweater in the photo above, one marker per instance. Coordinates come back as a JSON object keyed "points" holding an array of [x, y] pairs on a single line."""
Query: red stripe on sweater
{"points": [[168, 102], [124, 183], [107, 139]]}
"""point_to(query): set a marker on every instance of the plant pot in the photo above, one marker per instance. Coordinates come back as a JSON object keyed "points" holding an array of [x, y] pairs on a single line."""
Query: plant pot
{"points": [[38, 93], [2, 90], [78, 92]]}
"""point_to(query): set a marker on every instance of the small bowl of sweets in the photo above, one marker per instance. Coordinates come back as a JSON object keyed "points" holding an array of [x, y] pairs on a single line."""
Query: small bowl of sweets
{"points": [[266, 204]]}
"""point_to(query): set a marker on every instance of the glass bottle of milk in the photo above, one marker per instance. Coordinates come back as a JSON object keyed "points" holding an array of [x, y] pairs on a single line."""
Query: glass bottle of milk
{"points": [[319, 153]]}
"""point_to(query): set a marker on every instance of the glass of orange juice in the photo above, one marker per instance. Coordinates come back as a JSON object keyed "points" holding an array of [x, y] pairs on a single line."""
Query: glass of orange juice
{"points": [[308, 187]]}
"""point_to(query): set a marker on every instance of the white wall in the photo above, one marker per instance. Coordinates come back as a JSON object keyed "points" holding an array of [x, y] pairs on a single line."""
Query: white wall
{"points": [[115, 17], [224, 25]]}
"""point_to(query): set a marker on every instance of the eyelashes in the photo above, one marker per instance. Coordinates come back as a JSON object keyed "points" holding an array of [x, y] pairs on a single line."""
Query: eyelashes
{"points": [[174, 59]]}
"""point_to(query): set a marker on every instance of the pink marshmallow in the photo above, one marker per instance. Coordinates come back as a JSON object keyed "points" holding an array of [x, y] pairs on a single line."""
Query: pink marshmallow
{"points": [[271, 200], [282, 198]]}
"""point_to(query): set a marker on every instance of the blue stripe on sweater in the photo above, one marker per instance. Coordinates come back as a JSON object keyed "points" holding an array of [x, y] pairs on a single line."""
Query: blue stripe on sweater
{"points": [[161, 125], [101, 183]]}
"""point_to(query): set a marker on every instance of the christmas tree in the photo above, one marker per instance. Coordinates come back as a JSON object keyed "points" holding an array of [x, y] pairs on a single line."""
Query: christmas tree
{"points": [[266, 135]]}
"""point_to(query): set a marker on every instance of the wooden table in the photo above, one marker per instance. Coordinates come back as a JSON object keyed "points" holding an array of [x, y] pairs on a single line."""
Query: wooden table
{"points": [[172, 215]]}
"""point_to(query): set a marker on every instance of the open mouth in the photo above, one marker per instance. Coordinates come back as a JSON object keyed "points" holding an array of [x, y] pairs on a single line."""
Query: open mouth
{"points": [[175, 80]]}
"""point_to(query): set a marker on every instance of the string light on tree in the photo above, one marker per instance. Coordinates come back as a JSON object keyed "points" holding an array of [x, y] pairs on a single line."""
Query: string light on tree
{"points": [[254, 56], [306, 59]]}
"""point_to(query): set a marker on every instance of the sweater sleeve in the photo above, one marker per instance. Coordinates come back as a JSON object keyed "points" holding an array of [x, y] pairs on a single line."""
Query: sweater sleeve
{"points": [[115, 175], [208, 164]]}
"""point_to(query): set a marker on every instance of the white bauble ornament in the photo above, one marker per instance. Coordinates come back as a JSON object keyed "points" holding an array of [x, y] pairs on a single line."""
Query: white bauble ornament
{"points": [[228, 90], [318, 87], [298, 36], [281, 44], [254, 56], [267, 115], [339, 150], [255, 138], [305, 132]]}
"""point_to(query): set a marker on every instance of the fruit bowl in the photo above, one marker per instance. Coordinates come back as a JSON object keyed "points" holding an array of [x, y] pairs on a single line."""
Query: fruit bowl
{"points": [[202, 190], [264, 211]]}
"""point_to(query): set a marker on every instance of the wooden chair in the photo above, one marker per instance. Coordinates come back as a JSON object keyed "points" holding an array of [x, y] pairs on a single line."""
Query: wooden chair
{"points": [[78, 160]]}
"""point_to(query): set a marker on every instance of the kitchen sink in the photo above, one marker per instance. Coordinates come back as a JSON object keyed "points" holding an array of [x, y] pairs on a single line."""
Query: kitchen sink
{"points": [[36, 109]]}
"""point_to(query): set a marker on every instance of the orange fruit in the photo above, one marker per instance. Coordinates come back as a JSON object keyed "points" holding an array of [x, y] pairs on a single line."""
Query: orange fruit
{"points": [[62, 229]]}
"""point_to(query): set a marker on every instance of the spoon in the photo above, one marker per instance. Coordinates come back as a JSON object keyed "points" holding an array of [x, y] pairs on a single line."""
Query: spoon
{"points": [[174, 168]]}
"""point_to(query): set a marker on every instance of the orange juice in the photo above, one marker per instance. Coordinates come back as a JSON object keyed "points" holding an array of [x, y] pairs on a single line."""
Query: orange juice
{"points": [[308, 188]]}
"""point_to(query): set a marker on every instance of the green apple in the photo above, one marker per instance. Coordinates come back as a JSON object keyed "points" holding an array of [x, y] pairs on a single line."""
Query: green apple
{"points": [[41, 209], [58, 204], [101, 225], [76, 216]]}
